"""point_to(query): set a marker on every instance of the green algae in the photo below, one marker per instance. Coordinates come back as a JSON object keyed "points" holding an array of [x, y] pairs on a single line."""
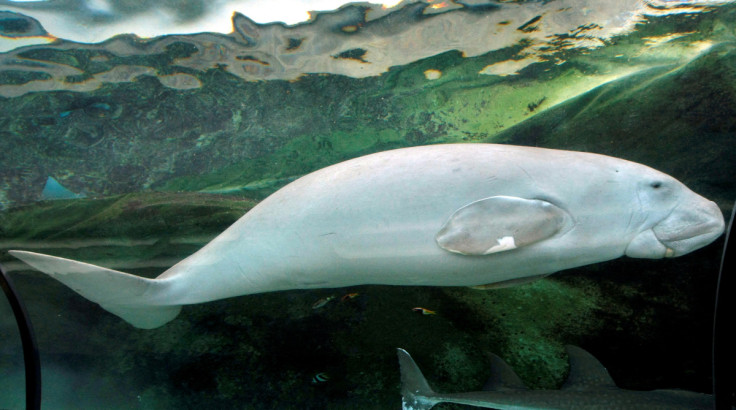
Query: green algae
{"points": [[21, 77], [528, 325], [238, 133], [440, 114], [124, 216], [123, 229], [299, 156], [654, 117]]}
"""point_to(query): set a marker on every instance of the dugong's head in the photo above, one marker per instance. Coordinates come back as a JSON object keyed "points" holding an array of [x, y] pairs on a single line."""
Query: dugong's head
{"points": [[676, 220]]}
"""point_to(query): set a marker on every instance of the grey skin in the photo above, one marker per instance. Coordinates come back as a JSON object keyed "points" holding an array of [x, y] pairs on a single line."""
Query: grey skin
{"points": [[588, 387], [440, 215]]}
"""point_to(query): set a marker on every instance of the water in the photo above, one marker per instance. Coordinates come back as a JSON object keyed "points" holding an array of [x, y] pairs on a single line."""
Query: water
{"points": [[161, 125]]}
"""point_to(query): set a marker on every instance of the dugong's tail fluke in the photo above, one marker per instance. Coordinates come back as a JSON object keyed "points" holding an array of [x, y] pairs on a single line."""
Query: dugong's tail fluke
{"points": [[415, 391], [128, 296]]}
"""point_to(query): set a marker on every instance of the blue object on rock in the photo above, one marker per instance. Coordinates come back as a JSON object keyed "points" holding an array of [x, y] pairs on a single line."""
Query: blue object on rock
{"points": [[54, 190]]}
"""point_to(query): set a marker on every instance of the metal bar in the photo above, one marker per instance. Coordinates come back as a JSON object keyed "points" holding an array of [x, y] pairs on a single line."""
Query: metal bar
{"points": [[723, 319], [30, 348]]}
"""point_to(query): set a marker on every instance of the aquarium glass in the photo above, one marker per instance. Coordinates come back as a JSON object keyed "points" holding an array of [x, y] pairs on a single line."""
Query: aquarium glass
{"points": [[132, 133]]}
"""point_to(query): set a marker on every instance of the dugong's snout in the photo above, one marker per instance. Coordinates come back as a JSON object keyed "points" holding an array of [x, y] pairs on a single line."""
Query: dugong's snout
{"points": [[690, 226]]}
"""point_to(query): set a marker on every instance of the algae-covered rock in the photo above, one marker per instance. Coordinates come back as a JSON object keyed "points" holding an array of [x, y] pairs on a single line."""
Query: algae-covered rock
{"points": [[230, 135], [133, 230], [680, 120]]}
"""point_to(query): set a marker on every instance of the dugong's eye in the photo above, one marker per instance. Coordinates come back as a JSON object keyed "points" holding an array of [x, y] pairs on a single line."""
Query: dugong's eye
{"points": [[656, 184]]}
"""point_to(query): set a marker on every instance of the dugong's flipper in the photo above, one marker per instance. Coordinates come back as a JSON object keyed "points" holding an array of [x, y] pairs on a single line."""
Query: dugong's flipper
{"points": [[500, 223], [128, 296]]}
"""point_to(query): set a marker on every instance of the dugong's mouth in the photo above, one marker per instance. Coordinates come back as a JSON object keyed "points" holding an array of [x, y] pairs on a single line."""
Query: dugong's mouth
{"points": [[683, 231], [686, 230], [680, 245]]}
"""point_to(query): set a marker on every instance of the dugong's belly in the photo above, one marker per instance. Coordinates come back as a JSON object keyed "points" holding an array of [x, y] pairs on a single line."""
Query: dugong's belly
{"points": [[374, 221]]}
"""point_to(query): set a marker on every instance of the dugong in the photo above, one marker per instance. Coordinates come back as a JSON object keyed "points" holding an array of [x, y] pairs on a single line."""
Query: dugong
{"points": [[440, 215]]}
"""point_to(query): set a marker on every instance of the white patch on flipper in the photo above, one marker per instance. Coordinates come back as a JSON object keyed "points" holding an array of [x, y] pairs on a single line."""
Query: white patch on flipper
{"points": [[504, 244]]}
